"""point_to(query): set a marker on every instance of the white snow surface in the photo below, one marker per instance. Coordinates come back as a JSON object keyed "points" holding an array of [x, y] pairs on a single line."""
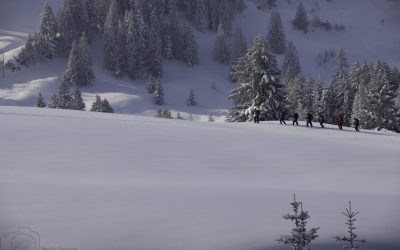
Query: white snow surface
{"points": [[110, 181], [366, 38]]}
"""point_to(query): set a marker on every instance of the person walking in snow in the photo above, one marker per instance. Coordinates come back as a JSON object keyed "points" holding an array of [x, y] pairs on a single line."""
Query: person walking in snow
{"points": [[295, 118], [257, 112], [356, 123], [321, 120], [309, 119], [282, 118], [339, 121]]}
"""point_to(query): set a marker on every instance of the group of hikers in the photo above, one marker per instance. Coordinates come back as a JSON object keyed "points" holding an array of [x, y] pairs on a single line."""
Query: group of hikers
{"points": [[309, 118]]}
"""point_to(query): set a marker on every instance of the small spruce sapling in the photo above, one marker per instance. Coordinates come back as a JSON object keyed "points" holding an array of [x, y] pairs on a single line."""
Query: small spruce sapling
{"points": [[300, 237], [40, 101], [351, 238], [77, 102], [191, 101]]}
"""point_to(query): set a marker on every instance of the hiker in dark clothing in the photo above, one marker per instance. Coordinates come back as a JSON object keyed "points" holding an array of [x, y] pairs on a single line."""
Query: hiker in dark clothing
{"points": [[309, 119], [295, 118], [356, 124], [339, 121], [257, 115], [282, 118], [321, 120]]}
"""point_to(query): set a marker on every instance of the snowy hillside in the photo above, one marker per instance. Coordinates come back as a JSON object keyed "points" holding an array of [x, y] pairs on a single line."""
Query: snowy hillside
{"points": [[98, 181], [371, 33]]}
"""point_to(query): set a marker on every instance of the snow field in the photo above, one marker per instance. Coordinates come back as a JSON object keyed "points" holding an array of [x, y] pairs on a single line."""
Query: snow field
{"points": [[108, 181]]}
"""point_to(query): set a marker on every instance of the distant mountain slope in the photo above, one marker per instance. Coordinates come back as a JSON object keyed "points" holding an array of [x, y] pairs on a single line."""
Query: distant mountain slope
{"points": [[371, 33]]}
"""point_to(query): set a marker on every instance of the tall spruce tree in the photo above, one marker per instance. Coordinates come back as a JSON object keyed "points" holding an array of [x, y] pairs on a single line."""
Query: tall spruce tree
{"points": [[342, 89], [291, 65], [276, 37], [62, 99], [77, 101], [189, 46], [318, 93], [28, 54], [47, 33], [86, 64], [221, 50], [383, 93], [73, 74], [73, 21], [40, 101], [79, 70], [301, 21], [201, 15], [258, 84], [239, 45], [154, 49], [295, 95], [307, 94], [111, 38]]}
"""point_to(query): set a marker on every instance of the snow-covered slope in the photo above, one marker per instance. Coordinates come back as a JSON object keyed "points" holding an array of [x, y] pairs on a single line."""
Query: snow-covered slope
{"points": [[372, 32], [107, 181]]}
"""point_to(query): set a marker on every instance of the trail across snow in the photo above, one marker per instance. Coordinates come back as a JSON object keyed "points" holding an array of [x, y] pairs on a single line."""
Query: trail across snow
{"points": [[108, 181]]}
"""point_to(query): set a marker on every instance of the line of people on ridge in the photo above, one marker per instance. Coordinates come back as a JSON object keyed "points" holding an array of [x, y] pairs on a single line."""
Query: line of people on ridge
{"points": [[309, 118]]}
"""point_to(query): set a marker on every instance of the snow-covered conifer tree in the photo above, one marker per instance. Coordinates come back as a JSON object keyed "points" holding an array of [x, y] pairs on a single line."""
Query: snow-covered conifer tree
{"points": [[120, 51], [28, 54], [47, 33], [62, 99], [106, 106], [221, 51], [258, 84], [101, 106], [201, 15], [40, 101], [111, 38], [350, 239], [131, 46], [239, 45], [73, 21], [342, 88], [295, 95], [97, 105], [73, 74], [189, 46], [318, 93], [276, 38], [383, 93], [291, 65], [77, 101], [159, 94], [53, 103], [79, 70], [301, 21], [300, 238], [307, 95], [85, 62], [191, 100], [154, 50]]}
